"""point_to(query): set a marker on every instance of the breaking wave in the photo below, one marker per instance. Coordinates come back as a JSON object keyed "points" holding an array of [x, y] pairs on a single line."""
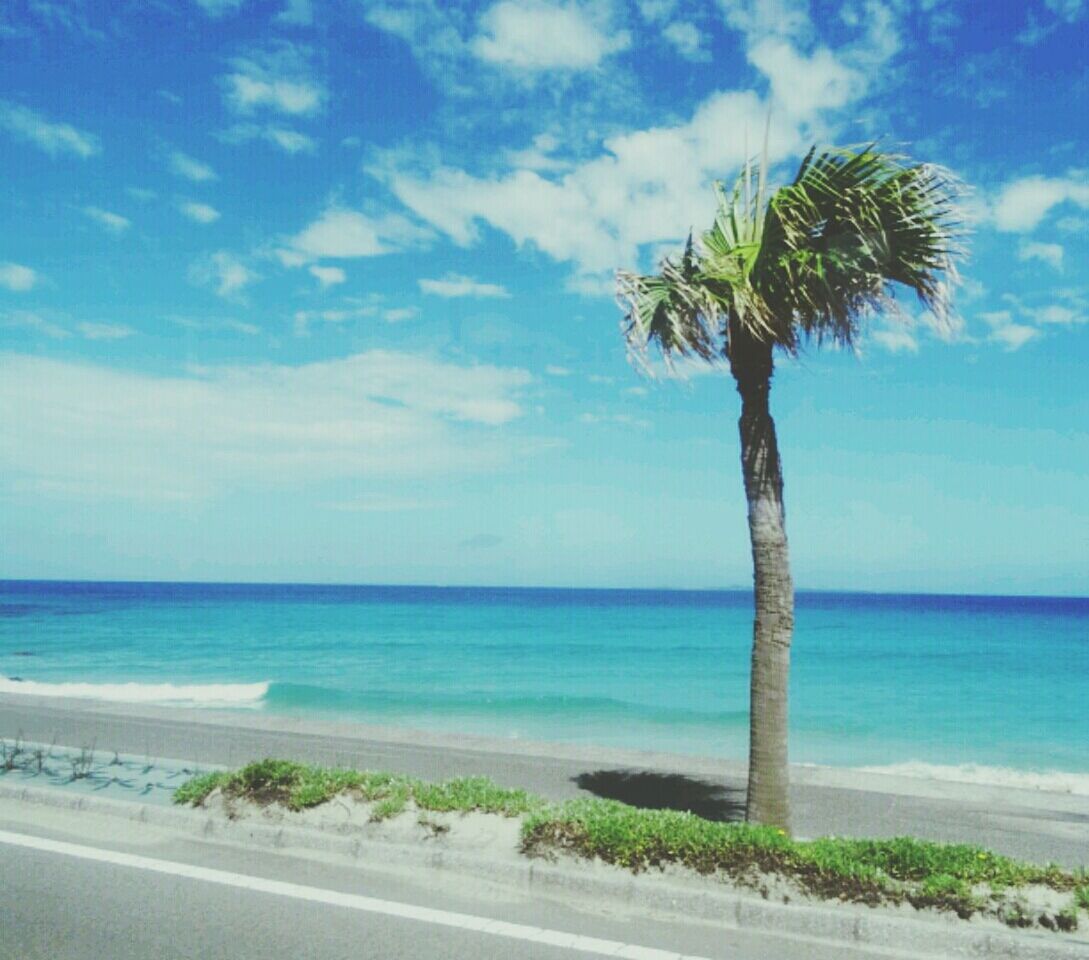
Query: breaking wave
{"points": [[1053, 781], [189, 695]]}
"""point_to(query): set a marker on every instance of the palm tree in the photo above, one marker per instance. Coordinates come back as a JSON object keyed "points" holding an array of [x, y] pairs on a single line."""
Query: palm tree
{"points": [[826, 251]]}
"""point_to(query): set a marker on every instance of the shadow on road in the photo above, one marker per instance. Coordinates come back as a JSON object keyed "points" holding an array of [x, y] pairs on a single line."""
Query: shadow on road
{"points": [[665, 791]]}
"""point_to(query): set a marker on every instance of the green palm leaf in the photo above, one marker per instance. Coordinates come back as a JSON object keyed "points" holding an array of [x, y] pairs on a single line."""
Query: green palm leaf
{"points": [[828, 250]]}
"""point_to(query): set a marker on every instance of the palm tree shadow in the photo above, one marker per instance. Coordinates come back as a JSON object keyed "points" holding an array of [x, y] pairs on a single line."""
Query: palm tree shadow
{"points": [[665, 791]]}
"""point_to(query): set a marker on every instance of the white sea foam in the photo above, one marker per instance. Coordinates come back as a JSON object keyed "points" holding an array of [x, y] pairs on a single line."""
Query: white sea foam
{"points": [[190, 695], [1053, 781]]}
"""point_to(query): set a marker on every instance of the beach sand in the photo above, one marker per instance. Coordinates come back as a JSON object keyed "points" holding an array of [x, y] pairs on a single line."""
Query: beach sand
{"points": [[1036, 825]]}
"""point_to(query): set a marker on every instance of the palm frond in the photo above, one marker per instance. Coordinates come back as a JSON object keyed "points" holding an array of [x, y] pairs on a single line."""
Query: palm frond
{"points": [[671, 309], [851, 225], [827, 250]]}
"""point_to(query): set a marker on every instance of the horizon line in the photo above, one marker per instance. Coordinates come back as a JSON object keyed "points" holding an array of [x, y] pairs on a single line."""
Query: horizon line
{"points": [[565, 588]]}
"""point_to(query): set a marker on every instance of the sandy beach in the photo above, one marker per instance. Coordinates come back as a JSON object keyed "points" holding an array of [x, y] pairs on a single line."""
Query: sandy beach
{"points": [[1031, 824]]}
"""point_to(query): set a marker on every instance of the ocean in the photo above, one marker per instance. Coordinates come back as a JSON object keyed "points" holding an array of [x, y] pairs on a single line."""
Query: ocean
{"points": [[977, 688]]}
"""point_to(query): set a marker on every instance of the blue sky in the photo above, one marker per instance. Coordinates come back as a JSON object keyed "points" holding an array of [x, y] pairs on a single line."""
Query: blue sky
{"points": [[321, 290]]}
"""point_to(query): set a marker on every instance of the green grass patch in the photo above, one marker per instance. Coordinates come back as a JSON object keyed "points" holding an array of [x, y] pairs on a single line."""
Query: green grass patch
{"points": [[299, 786], [195, 791], [902, 869], [474, 793], [958, 877]]}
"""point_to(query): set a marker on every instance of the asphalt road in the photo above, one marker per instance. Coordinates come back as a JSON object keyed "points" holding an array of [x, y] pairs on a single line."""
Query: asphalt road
{"points": [[1016, 823], [86, 901]]}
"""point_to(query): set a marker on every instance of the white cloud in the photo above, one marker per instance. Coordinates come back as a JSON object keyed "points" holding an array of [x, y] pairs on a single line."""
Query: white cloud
{"points": [[291, 258], [776, 35], [688, 40], [1013, 336], [1049, 253], [1056, 313], [761, 18], [538, 156], [199, 212], [1073, 224], [305, 320], [340, 233], [882, 40], [297, 12], [104, 331], [48, 135], [948, 329], [246, 93], [430, 28], [113, 222], [183, 165], [1069, 10], [50, 327], [555, 371], [290, 141], [647, 187], [206, 324], [656, 10], [1006, 332], [806, 85], [83, 430], [69, 16], [275, 77], [220, 8], [536, 35], [895, 340], [1022, 204], [328, 276], [971, 289], [224, 272], [456, 285], [29, 320], [622, 419], [651, 186], [1034, 31], [17, 278], [997, 318]]}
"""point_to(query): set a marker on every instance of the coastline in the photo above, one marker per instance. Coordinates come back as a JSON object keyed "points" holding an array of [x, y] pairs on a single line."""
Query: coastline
{"points": [[879, 680], [1035, 824], [241, 704]]}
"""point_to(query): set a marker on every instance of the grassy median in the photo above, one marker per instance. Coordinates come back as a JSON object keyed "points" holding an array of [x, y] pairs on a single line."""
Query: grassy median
{"points": [[958, 877], [298, 786]]}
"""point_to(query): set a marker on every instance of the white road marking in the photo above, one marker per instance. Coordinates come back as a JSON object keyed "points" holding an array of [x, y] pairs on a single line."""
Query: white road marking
{"points": [[391, 908]]}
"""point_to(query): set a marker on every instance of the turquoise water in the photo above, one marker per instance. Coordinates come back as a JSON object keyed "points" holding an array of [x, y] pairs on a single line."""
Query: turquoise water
{"points": [[876, 679]]}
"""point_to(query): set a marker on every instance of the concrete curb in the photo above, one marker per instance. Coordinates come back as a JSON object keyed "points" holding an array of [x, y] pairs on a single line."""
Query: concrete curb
{"points": [[891, 935]]}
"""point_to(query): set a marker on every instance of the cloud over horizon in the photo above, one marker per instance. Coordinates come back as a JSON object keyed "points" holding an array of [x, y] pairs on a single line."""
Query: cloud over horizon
{"points": [[83, 429]]}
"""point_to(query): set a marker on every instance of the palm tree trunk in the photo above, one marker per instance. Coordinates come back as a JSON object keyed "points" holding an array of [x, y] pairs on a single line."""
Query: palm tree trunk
{"points": [[773, 593]]}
